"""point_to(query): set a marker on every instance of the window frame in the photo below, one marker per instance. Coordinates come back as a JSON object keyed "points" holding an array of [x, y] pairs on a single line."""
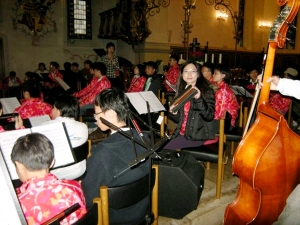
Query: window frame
{"points": [[71, 21]]}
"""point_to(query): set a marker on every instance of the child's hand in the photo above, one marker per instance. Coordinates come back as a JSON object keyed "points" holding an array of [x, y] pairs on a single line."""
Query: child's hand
{"points": [[18, 122]]}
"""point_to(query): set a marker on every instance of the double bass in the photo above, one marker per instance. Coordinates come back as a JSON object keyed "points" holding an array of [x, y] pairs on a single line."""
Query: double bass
{"points": [[267, 160]]}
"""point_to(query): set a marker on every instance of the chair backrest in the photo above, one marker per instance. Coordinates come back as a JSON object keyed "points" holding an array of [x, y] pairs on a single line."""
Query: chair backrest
{"points": [[87, 116], [81, 152], [129, 194]]}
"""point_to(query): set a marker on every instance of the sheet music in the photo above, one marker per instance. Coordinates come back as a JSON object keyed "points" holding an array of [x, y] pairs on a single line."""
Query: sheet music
{"points": [[54, 132], [62, 83], [38, 120], [138, 100], [57, 135], [173, 87], [10, 209], [9, 104], [7, 141], [238, 90]]}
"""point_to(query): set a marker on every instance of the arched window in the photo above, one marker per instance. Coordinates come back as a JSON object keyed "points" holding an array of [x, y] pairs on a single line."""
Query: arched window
{"points": [[79, 19]]}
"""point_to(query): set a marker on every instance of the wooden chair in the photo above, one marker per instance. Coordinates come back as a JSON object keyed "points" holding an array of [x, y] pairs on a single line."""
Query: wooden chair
{"points": [[129, 194], [90, 218], [87, 116], [116, 197], [236, 134], [214, 153], [163, 100]]}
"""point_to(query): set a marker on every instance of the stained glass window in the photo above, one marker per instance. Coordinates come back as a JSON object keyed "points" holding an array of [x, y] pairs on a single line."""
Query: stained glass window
{"points": [[79, 19]]}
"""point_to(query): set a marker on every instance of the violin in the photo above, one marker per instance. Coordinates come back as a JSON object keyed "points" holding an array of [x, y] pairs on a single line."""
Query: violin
{"points": [[267, 160]]}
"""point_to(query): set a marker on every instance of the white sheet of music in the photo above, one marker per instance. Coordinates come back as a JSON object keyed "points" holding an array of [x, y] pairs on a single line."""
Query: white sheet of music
{"points": [[57, 135], [38, 120], [62, 83], [138, 100], [10, 210], [54, 132], [9, 104], [7, 141]]}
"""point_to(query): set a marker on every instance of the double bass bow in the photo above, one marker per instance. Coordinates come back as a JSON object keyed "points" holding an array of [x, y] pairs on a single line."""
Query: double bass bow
{"points": [[267, 160]]}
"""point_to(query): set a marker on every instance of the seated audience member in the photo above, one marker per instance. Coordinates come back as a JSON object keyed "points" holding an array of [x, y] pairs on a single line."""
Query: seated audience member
{"points": [[207, 71], [86, 75], [32, 105], [225, 98], [138, 81], [42, 196], [173, 73], [32, 76], [66, 110], [250, 84], [75, 67], [100, 82], [195, 119], [14, 85], [70, 78], [154, 82], [54, 72], [51, 86], [111, 156], [12, 80], [41, 69]]}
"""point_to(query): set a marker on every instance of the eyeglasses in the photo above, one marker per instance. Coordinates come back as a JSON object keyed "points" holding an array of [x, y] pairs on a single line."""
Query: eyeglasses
{"points": [[95, 115], [190, 71]]}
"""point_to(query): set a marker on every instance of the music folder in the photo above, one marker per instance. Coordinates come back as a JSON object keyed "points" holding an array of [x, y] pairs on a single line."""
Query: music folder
{"points": [[56, 133], [139, 99]]}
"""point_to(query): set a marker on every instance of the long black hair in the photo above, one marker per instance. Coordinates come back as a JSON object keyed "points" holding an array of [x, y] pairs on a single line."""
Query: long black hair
{"points": [[201, 83]]}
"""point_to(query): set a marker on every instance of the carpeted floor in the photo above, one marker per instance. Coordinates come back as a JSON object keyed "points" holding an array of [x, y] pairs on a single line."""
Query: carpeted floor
{"points": [[210, 211]]}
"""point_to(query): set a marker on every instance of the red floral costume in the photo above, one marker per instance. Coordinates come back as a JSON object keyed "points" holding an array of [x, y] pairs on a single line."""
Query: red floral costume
{"points": [[137, 84], [88, 94], [172, 77], [280, 103], [52, 77], [226, 101], [43, 198], [33, 107]]}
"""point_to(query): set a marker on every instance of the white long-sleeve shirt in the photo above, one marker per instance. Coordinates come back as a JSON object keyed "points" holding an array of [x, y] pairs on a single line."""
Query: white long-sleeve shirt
{"points": [[289, 87]]}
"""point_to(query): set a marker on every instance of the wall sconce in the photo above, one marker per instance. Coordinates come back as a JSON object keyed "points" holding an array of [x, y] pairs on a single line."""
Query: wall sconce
{"points": [[264, 24], [222, 16]]}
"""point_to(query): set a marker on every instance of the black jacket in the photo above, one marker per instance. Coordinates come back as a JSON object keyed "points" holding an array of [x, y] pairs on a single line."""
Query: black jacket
{"points": [[109, 158], [199, 126], [156, 84]]}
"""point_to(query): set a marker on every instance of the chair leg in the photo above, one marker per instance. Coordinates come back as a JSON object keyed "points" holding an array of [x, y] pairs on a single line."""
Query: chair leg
{"points": [[207, 165], [155, 197], [232, 147], [223, 169]]}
